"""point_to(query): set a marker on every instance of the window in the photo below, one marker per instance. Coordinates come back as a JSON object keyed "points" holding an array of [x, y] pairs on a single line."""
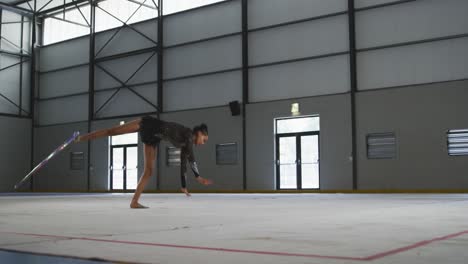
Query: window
{"points": [[173, 157], [70, 24], [381, 146], [74, 22], [109, 12], [174, 6], [125, 139], [226, 154], [457, 142], [297, 125]]}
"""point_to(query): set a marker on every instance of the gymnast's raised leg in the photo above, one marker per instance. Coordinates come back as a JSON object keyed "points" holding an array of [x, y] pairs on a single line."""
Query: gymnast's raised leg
{"points": [[130, 127], [149, 154]]}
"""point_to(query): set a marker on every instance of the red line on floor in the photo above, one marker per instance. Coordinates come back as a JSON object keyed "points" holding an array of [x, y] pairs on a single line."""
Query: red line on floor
{"points": [[192, 247], [284, 254], [415, 245]]}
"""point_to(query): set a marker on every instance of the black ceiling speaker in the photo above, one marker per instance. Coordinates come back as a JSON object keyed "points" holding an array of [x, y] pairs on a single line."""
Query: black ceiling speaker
{"points": [[235, 108]]}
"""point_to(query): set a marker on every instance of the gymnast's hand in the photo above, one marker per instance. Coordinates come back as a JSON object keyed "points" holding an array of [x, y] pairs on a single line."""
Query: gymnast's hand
{"points": [[204, 181], [184, 190]]}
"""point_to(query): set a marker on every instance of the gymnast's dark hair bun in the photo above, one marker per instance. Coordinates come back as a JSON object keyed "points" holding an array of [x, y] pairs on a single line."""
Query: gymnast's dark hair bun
{"points": [[202, 128]]}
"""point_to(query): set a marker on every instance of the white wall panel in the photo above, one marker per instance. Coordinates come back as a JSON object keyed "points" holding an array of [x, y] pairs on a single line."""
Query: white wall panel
{"points": [[269, 12], [64, 82], [423, 63], [368, 3], [64, 54], [126, 102], [64, 110], [9, 16], [127, 39], [102, 80], [15, 151], [299, 40], [411, 21], [9, 78], [306, 78], [149, 91], [203, 23], [26, 94], [27, 35], [11, 32], [124, 68], [47, 4], [204, 91], [7, 108], [203, 57]]}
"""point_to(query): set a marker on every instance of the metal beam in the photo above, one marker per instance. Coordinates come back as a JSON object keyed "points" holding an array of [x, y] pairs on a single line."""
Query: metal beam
{"points": [[44, 6], [125, 83], [61, 7], [12, 22], [19, 2], [32, 90], [125, 23], [30, 7], [1, 18], [13, 44], [353, 79], [160, 56], [92, 43], [108, 100], [125, 116], [384, 5], [159, 81], [64, 68], [139, 3], [21, 69], [126, 54], [82, 15], [116, 32], [245, 87], [120, 28], [299, 21], [71, 22], [13, 103], [14, 115], [202, 74], [16, 9]]}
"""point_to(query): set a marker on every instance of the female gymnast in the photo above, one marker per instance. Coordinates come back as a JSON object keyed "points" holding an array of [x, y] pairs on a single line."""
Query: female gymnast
{"points": [[152, 131]]}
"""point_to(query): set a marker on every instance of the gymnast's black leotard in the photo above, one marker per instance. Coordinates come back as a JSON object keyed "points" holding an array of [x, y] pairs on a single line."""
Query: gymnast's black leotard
{"points": [[153, 130]]}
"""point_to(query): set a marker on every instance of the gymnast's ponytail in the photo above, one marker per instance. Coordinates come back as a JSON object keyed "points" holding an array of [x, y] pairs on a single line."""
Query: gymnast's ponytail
{"points": [[202, 128]]}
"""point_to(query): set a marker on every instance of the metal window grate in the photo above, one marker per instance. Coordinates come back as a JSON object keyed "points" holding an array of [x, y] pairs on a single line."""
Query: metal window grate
{"points": [[226, 154], [173, 157], [76, 160], [457, 142], [381, 146]]}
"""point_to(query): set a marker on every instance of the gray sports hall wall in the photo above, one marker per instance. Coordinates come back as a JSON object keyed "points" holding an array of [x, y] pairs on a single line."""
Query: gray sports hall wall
{"points": [[411, 73]]}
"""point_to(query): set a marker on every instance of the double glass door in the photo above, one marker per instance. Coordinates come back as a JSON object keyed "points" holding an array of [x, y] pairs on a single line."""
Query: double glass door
{"points": [[123, 169], [297, 160]]}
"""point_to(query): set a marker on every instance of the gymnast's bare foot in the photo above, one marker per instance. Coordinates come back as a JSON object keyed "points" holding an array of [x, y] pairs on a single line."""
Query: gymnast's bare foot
{"points": [[137, 206]]}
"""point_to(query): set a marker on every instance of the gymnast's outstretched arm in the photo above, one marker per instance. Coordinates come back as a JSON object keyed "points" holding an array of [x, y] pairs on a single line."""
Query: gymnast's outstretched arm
{"points": [[187, 154]]}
